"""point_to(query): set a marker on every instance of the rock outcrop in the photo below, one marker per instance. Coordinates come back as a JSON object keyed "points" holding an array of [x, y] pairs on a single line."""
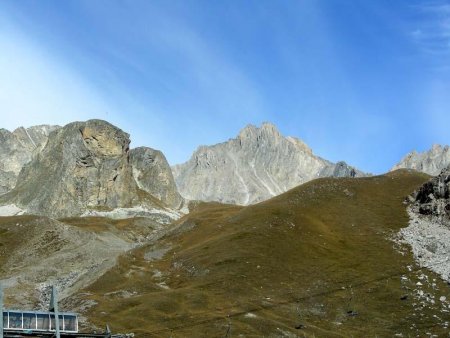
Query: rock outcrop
{"points": [[18, 148], [85, 168], [259, 164], [433, 198], [152, 173], [431, 162], [428, 232]]}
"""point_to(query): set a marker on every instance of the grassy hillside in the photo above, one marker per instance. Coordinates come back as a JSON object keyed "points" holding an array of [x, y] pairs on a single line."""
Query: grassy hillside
{"points": [[315, 261], [37, 251]]}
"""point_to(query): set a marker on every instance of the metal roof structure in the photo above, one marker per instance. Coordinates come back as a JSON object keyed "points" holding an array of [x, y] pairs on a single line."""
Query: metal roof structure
{"points": [[52, 323]]}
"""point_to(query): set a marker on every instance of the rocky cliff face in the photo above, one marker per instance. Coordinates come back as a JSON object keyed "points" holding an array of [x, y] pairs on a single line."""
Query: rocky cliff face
{"points": [[18, 148], [85, 167], [433, 198], [428, 232], [152, 174], [259, 164], [430, 162]]}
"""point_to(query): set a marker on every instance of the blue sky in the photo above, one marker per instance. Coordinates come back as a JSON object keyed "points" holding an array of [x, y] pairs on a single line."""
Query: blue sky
{"points": [[360, 81]]}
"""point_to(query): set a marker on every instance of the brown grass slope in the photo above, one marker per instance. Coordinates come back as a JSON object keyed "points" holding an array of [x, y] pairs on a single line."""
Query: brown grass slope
{"points": [[315, 261], [71, 253]]}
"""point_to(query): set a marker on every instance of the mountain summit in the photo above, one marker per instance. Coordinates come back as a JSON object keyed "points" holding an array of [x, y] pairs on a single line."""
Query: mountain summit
{"points": [[431, 162], [87, 167], [258, 164]]}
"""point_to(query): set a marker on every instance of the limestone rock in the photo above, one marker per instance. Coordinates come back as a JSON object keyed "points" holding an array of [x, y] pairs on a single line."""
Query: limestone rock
{"points": [[83, 165], [7, 181], [86, 168], [18, 148], [340, 169], [430, 162], [152, 174], [256, 165]]}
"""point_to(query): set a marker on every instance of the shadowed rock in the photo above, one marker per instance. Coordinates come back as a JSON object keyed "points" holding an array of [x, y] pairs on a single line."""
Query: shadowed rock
{"points": [[152, 173], [433, 198]]}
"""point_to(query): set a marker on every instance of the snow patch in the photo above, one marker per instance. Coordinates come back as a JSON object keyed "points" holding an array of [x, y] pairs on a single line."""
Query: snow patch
{"points": [[10, 210]]}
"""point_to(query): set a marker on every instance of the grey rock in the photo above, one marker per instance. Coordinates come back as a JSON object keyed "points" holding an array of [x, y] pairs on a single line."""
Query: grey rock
{"points": [[7, 181], [152, 174], [18, 148], [256, 165], [428, 231], [84, 165], [429, 239], [433, 198], [340, 169], [430, 162]]}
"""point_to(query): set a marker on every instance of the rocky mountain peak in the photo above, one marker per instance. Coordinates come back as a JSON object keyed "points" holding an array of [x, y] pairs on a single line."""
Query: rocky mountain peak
{"points": [[269, 129], [34, 137], [18, 148], [431, 162], [251, 134], [88, 167], [103, 139], [258, 164]]}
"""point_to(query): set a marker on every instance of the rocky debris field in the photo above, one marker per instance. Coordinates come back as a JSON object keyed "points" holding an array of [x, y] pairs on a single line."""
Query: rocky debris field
{"points": [[430, 243], [428, 232], [428, 235]]}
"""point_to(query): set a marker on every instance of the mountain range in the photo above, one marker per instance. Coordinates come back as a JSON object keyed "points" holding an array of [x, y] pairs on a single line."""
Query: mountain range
{"points": [[255, 236], [88, 168], [431, 162]]}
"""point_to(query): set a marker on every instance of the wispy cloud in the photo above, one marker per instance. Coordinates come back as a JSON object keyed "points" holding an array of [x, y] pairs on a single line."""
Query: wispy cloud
{"points": [[432, 31], [36, 88]]}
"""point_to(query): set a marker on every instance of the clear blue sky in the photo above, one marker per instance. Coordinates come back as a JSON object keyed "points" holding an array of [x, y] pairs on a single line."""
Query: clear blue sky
{"points": [[361, 81]]}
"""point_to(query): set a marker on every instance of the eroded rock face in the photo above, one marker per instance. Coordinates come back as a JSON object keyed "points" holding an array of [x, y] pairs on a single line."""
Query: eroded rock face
{"points": [[18, 148], [84, 165], [152, 174], [433, 198], [259, 164], [431, 162]]}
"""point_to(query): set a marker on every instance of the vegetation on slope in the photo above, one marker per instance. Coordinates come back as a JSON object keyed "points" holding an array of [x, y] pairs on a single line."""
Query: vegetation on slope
{"points": [[315, 261]]}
